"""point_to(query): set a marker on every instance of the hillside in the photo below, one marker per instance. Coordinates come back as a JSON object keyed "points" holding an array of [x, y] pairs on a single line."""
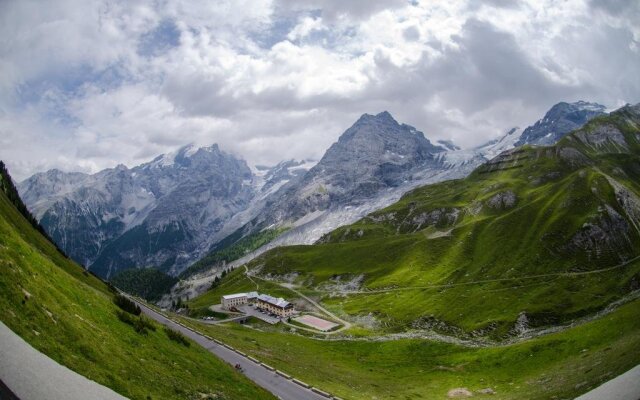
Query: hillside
{"points": [[370, 167], [535, 237], [68, 314], [520, 281]]}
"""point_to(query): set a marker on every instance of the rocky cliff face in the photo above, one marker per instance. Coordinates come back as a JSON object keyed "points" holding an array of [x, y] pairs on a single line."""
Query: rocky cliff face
{"points": [[160, 213], [375, 154]]}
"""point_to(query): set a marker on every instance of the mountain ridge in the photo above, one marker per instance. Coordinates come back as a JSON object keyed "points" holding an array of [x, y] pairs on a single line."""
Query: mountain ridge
{"points": [[370, 166], [450, 162]]}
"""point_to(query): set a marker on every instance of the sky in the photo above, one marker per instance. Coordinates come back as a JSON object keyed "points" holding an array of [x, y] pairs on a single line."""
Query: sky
{"points": [[89, 84]]}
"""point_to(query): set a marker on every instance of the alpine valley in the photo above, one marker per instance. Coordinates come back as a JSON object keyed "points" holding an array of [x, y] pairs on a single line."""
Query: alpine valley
{"points": [[510, 270]]}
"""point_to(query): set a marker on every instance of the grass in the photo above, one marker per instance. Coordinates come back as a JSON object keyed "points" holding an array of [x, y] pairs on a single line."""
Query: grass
{"points": [[177, 337], [69, 315], [202, 312], [563, 364], [140, 324]]}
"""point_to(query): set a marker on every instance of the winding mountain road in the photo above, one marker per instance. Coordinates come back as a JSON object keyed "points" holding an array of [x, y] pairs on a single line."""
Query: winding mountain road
{"points": [[281, 387]]}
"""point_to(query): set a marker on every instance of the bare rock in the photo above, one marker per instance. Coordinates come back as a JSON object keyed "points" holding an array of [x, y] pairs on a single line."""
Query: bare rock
{"points": [[437, 217], [608, 232], [459, 393], [503, 200], [604, 136]]}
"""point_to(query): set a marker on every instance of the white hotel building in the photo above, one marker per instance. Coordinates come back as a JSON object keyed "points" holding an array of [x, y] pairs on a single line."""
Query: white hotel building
{"points": [[264, 302], [232, 300]]}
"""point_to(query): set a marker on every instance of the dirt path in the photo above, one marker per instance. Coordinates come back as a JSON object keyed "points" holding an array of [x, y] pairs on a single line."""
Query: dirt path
{"points": [[246, 272], [346, 324]]}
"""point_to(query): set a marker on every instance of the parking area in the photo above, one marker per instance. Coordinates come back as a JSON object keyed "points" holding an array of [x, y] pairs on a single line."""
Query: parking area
{"points": [[252, 311]]}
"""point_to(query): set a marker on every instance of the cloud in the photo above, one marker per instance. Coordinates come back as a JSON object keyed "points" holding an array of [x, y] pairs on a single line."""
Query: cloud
{"points": [[90, 84], [333, 9], [305, 27]]}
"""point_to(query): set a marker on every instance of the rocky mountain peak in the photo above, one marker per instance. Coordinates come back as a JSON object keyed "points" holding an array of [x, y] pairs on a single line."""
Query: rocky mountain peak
{"points": [[375, 135], [383, 116], [631, 109], [513, 130], [375, 154], [386, 116], [561, 119]]}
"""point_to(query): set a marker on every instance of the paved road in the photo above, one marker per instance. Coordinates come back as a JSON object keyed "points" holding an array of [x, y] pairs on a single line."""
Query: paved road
{"points": [[281, 387], [31, 375], [623, 387]]}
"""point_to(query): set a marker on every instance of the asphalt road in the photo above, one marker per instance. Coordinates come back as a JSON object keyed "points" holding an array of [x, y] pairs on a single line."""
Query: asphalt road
{"points": [[281, 387], [623, 387], [31, 375]]}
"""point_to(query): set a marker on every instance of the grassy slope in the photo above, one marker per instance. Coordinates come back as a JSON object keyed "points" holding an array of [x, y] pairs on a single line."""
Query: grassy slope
{"points": [[68, 315], [560, 365], [558, 196]]}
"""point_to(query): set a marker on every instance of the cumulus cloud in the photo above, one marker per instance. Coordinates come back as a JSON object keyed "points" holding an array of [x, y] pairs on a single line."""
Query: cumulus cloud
{"points": [[90, 84]]}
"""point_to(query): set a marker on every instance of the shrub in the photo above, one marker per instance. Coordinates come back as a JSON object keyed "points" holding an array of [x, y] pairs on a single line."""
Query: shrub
{"points": [[111, 287], [141, 324], [126, 305], [177, 337], [125, 317]]}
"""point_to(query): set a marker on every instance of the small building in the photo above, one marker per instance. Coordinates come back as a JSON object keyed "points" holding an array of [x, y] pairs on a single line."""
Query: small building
{"points": [[232, 300], [277, 306]]}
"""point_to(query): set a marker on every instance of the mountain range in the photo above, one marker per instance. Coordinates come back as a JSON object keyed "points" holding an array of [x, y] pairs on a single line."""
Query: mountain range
{"points": [[180, 207], [535, 237]]}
